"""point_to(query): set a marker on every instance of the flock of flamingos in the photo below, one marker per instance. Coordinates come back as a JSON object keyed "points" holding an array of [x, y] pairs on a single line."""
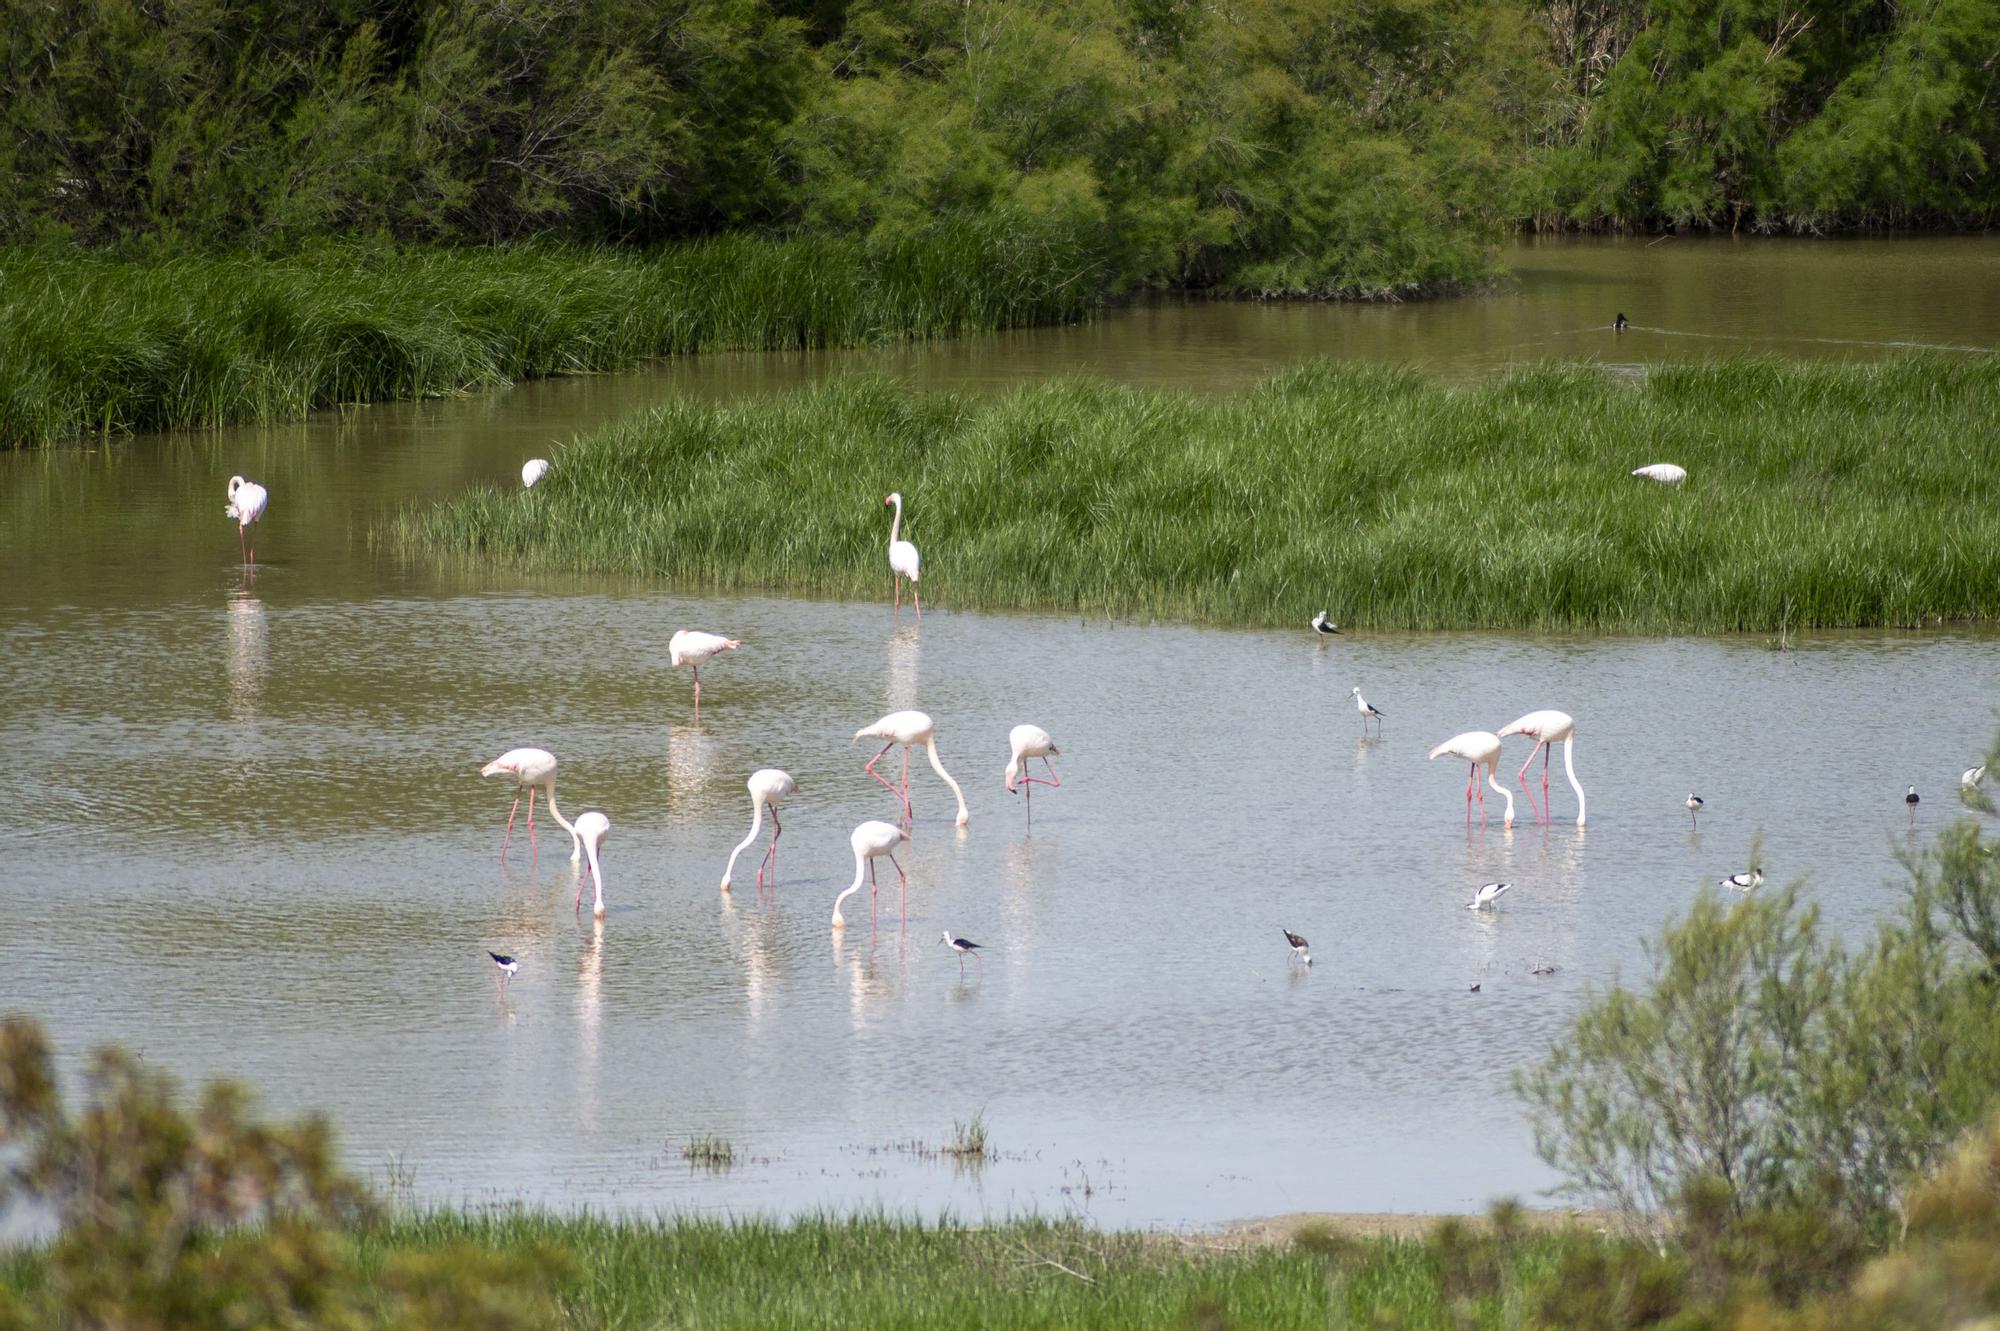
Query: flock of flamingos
{"points": [[534, 770]]}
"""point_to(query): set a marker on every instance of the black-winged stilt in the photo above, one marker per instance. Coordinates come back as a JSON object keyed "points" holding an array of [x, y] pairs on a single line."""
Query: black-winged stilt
{"points": [[1618, 325], [1324, 626], [1301, 950], [963, 946], [1910, 799], [1487, 894], [1694, 803], [1748, 881], [506, 966], [1972, 776], [1366, 708]]}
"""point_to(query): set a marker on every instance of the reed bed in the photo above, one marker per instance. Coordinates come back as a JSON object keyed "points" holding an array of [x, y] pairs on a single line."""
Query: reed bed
{"points": [[1819, 495], [90, 343]]}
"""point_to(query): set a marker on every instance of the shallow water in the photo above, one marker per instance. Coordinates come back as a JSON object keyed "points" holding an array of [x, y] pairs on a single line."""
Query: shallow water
{"points": [[249, 838]]}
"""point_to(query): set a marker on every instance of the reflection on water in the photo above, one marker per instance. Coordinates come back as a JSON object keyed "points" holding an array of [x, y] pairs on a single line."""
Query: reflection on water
{"points": [[249, 648]]}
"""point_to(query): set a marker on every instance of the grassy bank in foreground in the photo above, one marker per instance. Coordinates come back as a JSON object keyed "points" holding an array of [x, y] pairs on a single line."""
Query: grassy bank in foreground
{"points": [[91, 343], [1818, 495]]}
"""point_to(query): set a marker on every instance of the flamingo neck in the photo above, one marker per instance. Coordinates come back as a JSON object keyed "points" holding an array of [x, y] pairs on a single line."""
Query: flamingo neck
{"points": [[549, 789], [860, 868], [896, 523], [1014, 766], [1494, 781], [930, 747], [1569, 768], [596, 879], [756, 825]]}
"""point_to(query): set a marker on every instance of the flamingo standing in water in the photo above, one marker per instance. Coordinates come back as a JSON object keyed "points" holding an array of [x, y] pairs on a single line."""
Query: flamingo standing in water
{"points": [[903, 561], [531, 769], [1481, 748], [1030, 742], [769, 786], [906, 729], [871, 841], [590, 830], [246, 504], [692, 647], [1545, 728]]}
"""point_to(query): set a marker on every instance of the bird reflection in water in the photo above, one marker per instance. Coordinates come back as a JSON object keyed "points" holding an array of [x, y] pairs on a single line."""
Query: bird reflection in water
{"points": [[589, 1021], [249, 654]]}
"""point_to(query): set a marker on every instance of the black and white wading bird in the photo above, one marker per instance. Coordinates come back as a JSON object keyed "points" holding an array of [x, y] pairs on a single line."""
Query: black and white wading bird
{"points": [[1910, 799], [1749, 881], [963, 946], [1694, 803], [1618, 325], [1323, 626], [1301, 950], [1488, 893], [1367, 709], [506, 966], [1972, 776]]}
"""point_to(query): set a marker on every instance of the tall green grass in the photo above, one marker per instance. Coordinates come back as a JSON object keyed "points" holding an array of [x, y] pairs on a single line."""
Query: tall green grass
{"points": [[94, 343], [1818, 495]]}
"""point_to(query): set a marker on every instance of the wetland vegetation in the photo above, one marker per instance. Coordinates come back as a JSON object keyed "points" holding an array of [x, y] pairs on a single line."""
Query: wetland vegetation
{"points": [[1818, 496]]}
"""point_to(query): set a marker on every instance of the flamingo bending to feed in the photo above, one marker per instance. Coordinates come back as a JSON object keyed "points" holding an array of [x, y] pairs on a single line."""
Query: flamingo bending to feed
{"points": [[1546, 728], [246, 504], [533, 470], [903, 561], [769, 786], [1030, 742], [1666, 473], [590, 830], [531, 769], [1481, 748], [692, 647], [906, 729], [871, 841]]}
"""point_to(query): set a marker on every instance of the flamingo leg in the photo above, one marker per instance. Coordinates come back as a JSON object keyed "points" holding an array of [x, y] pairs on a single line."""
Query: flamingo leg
{"points": [[890, 786], [871, 890], [902, 888], [1469, 774], [241, 545], [917, 601], [531, 822], [772, 853], [1546, 810], [896, 581], [908, 813], [510, 825], [1481, 788]]}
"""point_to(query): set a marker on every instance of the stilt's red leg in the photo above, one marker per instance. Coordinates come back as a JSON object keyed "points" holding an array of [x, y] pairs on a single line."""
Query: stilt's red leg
{"points": [[508, 839]]}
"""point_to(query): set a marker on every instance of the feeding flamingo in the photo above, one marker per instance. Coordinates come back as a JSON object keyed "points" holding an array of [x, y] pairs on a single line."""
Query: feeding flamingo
{"points": [[692, 647], [906, 729], [872, 840], [1481, 748], [1546, 728], [1030, 742], [246, 504], [903, 561], [533, 470], [590, 830], [531, 769], [1666, 473], [769, 786]]}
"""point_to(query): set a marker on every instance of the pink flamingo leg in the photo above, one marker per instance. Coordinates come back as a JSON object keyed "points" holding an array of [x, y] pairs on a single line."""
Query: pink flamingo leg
{"points": [[772, 853], [531, 822], [241, 544], [890, 786], [871, 891], [1545, 781], [510, 825], [1470, 773], [917, 601], [897, 582], [1522, 777], [908, 813], [1481, 788], [902, 888]]}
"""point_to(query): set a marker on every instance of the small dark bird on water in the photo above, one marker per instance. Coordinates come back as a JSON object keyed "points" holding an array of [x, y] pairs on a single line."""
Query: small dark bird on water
{"points": [[963, 946], [1324, 626], [1475, 988], [506, 967], [1301, 950], [1619, 325], [1911, 800], [1693, 802]]}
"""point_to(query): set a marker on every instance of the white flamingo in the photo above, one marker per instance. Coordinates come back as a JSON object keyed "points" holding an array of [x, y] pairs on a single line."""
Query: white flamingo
{"points": [[1481, 748], [531, 769], [246, 504], [692, 647], [906, 729], [768, 786], [871, 841], [1030, 742], [1666, 473], [590, 830], [903, 561], [533, 470], [1546, 728]]}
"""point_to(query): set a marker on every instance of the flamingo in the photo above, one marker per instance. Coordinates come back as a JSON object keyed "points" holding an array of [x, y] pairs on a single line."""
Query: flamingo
{"points": [[963, 946], [533, 470], [692, 647], [907, 728], [1666, 473], [871, 841], [903, 562], [1030, 742], [1301, 950], [530, 768], [590, 830], [769, 786], [1545, 728], [1481, 748], [246, 504], [1693, 802], [1366, 708]]}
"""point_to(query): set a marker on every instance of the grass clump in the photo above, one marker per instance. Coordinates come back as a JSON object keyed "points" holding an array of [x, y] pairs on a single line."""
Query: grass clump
{"points": [[1819, 495], [709, 1152], [92, 343], [968, 1142]]}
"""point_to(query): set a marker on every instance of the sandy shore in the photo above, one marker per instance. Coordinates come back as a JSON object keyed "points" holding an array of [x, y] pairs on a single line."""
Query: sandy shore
{"points": [[1280, 1230]]}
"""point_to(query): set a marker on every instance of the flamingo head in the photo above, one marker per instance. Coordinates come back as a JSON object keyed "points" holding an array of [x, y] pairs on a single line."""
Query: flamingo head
{"points": [[894, 498], [235, 483], [1013, 771], [494, 768], [674, 657]]}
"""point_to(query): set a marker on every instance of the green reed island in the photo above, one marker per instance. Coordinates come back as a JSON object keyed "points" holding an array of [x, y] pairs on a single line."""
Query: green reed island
{"points": [[171, 176], [1818, 495]]}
